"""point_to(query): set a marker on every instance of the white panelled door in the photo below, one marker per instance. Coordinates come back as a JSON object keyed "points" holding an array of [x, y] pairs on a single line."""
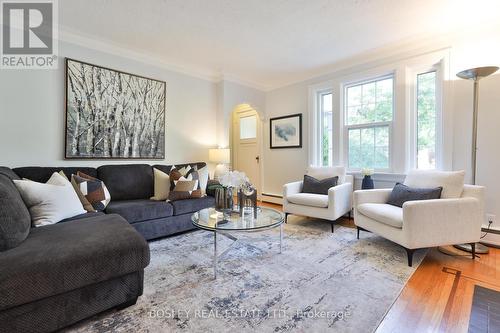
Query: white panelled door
{"points": [[246, 144]]}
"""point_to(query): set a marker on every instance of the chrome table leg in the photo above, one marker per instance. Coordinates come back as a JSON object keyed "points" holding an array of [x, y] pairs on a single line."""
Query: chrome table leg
{"points": [[281, 236], [215, 254]]}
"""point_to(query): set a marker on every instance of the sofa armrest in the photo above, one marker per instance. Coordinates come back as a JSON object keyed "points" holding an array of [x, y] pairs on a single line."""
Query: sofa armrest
{"points": [[442, 221], [371, 196], [292, 188]]}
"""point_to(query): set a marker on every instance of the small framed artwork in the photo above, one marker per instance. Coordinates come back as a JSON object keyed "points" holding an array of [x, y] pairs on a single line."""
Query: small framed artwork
{"points": [[286, 131]]}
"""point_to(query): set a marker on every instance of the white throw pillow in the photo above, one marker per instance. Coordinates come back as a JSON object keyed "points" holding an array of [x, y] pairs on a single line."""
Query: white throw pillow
{"points": [[452, 182], [321, 173], [162, 185], [203, 178], [51, 202]]}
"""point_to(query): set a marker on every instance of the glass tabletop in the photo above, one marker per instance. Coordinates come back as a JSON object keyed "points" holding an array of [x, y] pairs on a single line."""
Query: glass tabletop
{"points": [[211, 219]]}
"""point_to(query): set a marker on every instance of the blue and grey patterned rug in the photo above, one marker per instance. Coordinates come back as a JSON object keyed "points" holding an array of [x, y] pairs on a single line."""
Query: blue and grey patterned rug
{"points": [[321, 282]]}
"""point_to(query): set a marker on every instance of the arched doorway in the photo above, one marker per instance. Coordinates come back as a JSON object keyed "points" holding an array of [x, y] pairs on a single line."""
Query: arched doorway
{"points": [[246, 143]]}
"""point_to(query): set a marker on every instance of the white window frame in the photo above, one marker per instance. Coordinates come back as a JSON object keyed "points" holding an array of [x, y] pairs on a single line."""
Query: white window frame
{"points": [[412, 150], [315, 121], [402, 132], [319, 111], [388, 124]]}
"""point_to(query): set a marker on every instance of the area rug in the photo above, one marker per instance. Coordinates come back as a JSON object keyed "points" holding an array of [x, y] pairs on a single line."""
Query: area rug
{"points": [[321, 281]]}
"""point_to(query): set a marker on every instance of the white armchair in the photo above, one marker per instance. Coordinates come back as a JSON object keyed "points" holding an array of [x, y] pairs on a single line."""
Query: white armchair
{"points": [[456, 218], [330, 207]]}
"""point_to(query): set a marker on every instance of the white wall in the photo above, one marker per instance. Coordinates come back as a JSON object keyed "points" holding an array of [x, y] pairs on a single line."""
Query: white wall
{"points": [[229, 95], [32, 112], [284, 165]]}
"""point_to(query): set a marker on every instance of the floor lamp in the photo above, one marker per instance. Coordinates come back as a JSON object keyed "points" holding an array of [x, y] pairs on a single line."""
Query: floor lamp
{"points": [[475, 74]]}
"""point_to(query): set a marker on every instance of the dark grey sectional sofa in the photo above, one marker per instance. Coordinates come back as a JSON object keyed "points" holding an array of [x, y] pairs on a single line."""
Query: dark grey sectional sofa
{"points": [[131, 186], [63, 273]]}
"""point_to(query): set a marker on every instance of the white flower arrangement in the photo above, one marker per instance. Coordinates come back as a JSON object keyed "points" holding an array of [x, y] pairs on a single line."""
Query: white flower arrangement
{"points": [[233, 179], [367, 171]]}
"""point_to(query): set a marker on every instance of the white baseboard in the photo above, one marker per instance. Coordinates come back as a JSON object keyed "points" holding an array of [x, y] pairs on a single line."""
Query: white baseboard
{"points": [[272, 198]]}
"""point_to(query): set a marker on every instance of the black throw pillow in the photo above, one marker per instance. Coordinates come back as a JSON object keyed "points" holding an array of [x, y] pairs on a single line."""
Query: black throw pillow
{"points": [[315, 186], [402, 193]]}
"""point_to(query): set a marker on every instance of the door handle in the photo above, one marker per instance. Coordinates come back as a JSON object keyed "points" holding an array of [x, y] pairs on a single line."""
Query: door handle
{"points": [[258, 159]]}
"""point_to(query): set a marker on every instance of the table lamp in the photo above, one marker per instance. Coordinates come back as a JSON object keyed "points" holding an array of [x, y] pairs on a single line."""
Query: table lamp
{"points": [[222, 157]]}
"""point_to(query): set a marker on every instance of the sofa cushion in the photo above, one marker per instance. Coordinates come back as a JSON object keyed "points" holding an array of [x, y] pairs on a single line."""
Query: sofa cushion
{"points": [[383, 213], [82, 216], [192, 205], [15, 220], [127, 182], [309, 199], [452, 182], [140, 210], [63, 257], [42, 174]]}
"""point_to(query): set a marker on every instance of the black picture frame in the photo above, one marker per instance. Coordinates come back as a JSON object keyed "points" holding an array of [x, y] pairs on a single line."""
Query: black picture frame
{"points": [[272, 132], [162, 108]]}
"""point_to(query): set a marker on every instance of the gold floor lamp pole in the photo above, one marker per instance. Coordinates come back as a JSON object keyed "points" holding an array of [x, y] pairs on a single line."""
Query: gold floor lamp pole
{"points": [[475, 74]]}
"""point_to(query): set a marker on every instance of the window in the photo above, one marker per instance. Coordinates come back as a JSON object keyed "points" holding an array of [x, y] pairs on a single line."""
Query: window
{"points": [[369, 112], [325, 112], [248, 127], [426, 120]]}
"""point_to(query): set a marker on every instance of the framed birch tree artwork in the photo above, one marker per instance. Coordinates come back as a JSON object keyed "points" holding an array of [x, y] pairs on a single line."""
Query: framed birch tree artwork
{"points": [[112, 114]]}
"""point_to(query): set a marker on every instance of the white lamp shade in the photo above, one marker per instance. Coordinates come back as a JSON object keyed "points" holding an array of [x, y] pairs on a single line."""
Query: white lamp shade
{"points": [[219, 155]]}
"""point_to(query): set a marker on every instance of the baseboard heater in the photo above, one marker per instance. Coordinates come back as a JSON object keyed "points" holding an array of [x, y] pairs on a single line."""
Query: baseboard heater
{"points": [[492, 237], [272, 198]]}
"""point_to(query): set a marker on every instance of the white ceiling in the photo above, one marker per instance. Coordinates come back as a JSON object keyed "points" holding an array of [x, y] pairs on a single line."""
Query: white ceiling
{"points": [[266, 42]]}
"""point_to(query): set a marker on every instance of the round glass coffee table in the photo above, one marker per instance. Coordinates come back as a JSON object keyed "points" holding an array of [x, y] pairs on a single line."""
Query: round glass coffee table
{"points": [[224, 223]]}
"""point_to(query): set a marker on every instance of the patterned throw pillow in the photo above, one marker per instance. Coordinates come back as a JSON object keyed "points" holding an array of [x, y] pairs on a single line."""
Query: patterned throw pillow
{"points": [[184, 187], [92, 189]]}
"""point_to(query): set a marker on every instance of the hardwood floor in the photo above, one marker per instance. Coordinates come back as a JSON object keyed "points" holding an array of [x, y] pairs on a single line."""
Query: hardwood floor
{"points": [[438, 296]]}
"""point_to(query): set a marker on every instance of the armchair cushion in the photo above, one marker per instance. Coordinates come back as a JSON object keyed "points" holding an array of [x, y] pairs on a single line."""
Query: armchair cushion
{"points": [[316, 186], [309, 199], [452, 182], [402, 193], [383, 213]]}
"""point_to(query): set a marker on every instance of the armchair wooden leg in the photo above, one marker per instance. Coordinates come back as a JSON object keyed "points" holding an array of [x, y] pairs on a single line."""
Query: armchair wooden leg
{"points": [[410, 252], [473, 250], [332, 226], [286, 217], [359, 229]]}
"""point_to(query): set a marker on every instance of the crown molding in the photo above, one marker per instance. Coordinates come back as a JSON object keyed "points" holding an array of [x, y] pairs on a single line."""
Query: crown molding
{"points": [[400, 50], [407, 47], [240, 81], [81, 39], [92, 42]]}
